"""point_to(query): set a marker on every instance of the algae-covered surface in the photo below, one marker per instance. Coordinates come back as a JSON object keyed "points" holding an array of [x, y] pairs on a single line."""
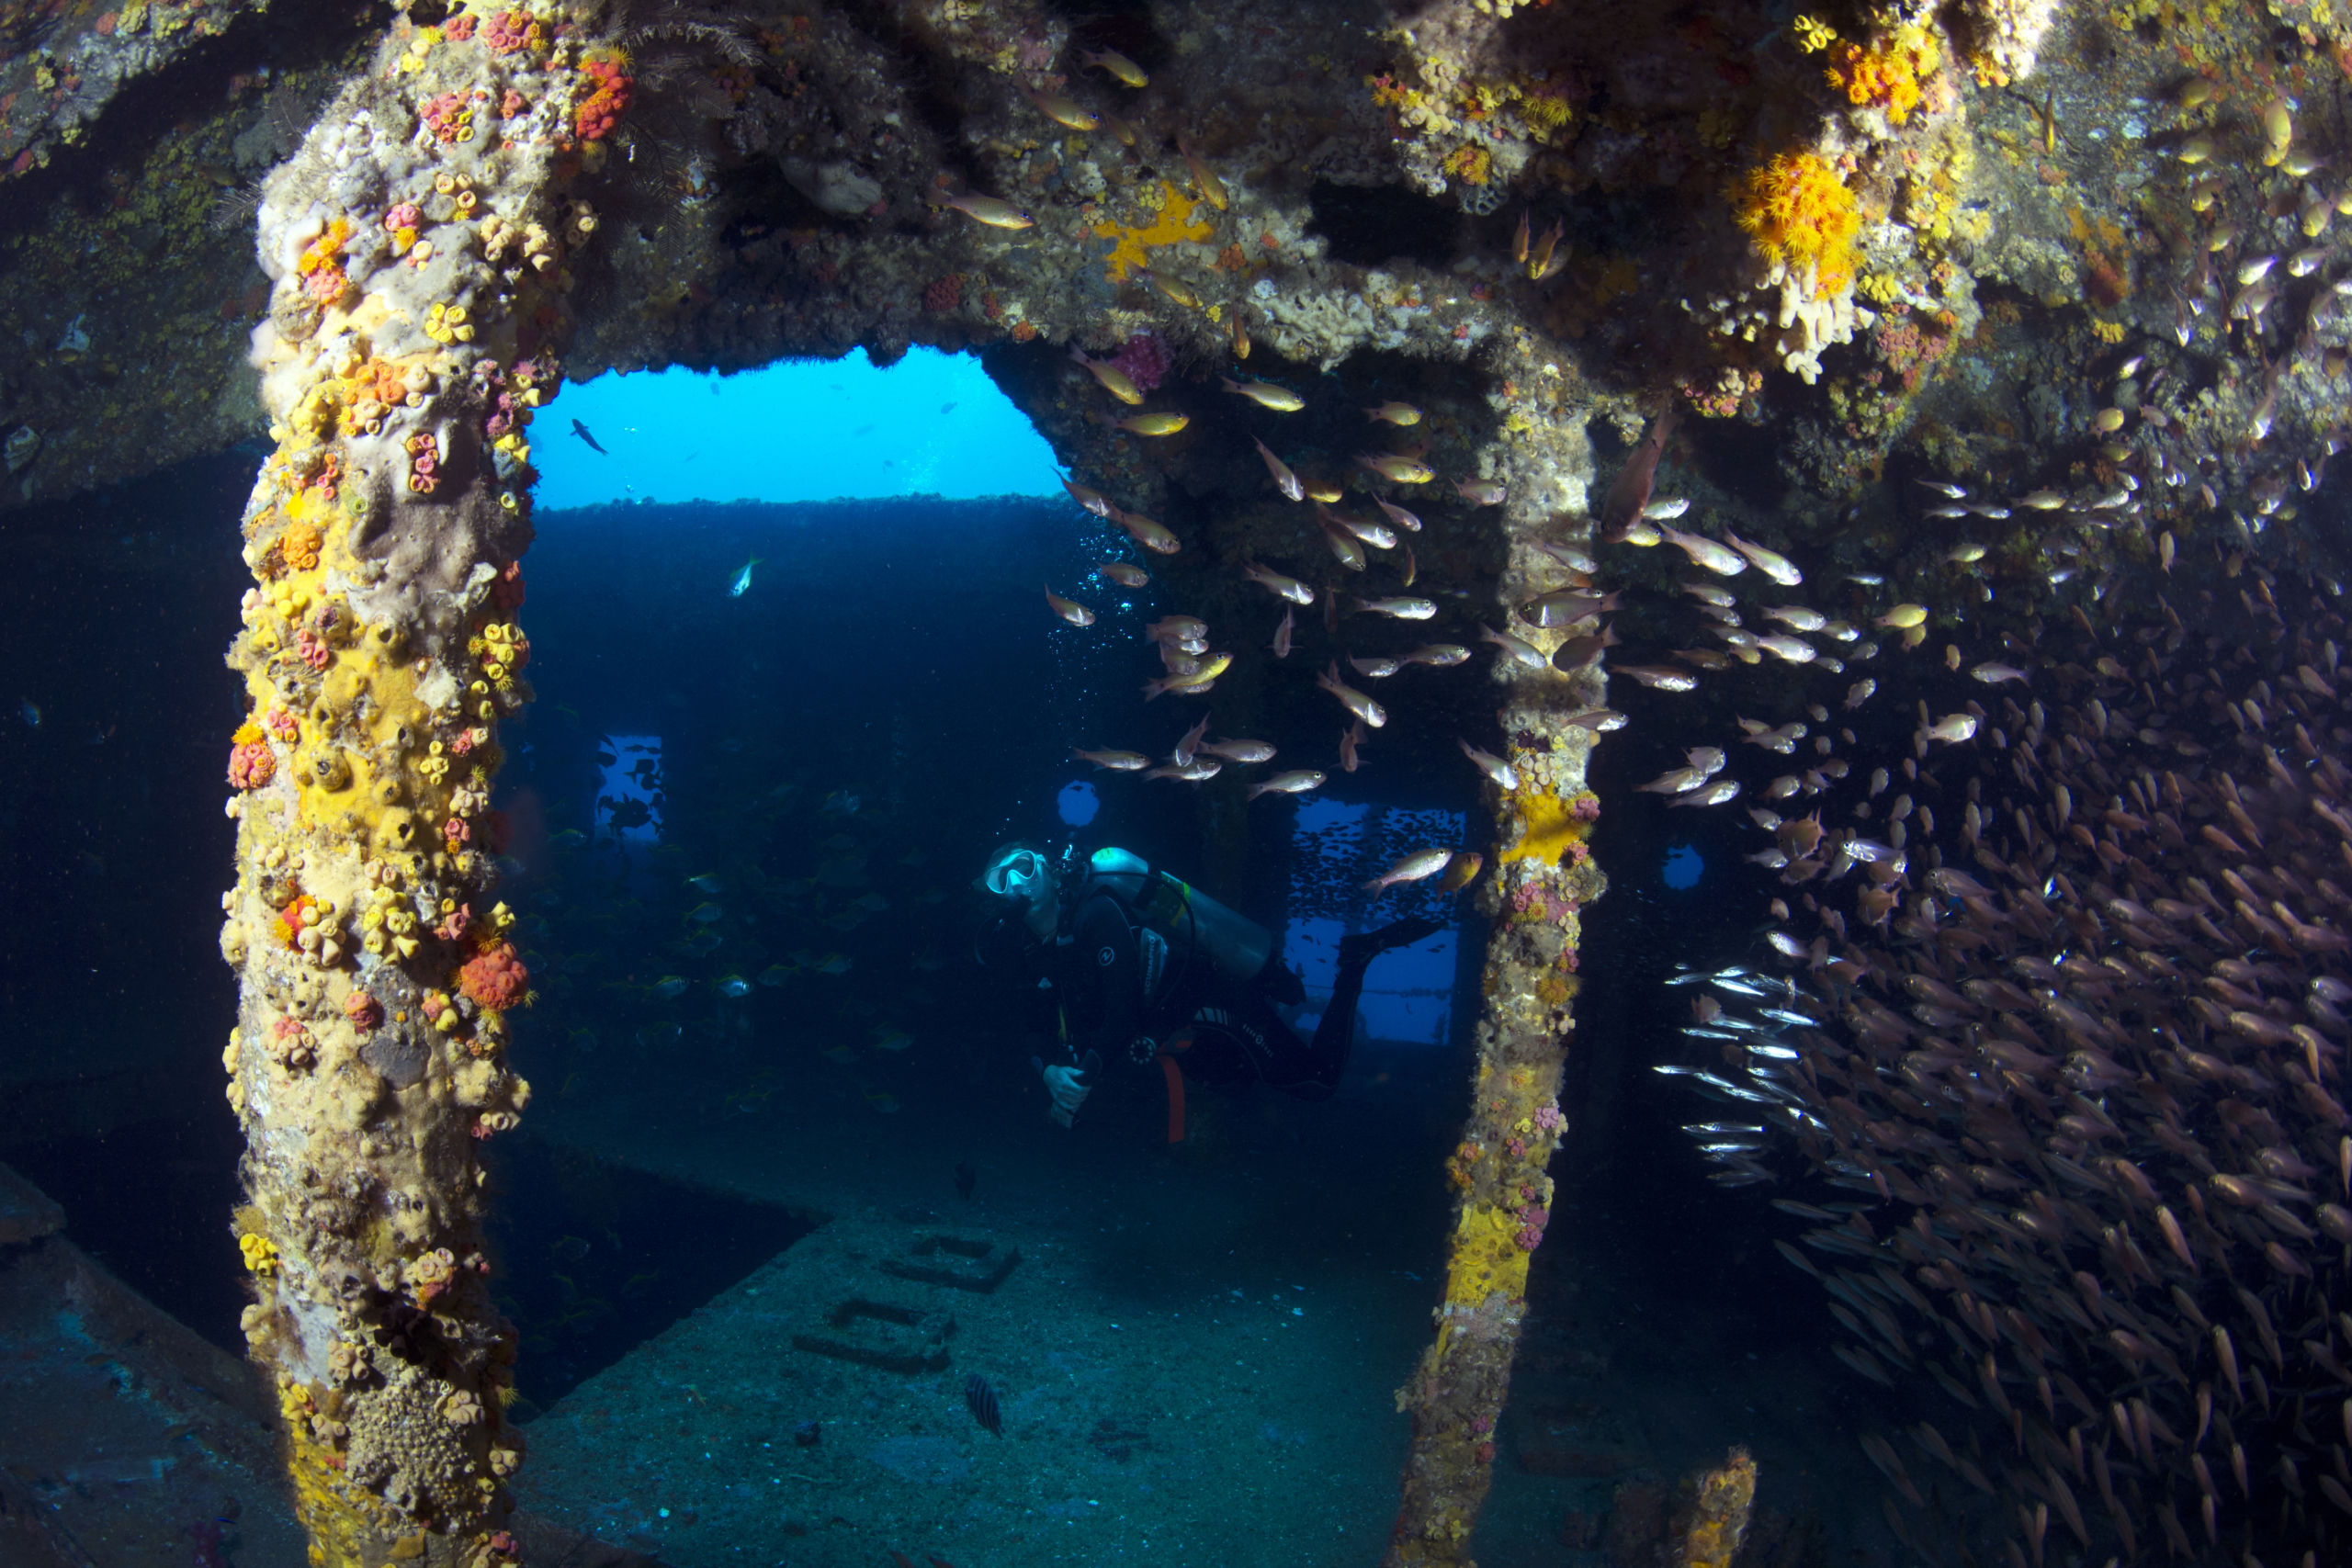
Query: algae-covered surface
{"points": [[2005, 340]]}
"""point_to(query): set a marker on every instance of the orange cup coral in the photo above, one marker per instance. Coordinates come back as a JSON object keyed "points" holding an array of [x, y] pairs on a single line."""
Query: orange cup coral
{"points": [[1801, 216], [251, 764], [1889, 76], [610, 88], [325, 250], [496, 978], [1470, 163], [290, 921], [299, 546]]}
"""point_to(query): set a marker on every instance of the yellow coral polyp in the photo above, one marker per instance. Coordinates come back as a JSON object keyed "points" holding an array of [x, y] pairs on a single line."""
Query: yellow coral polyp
{"points": [[1801, 215], [1887, 77], [1545, 110], [308, 505], [261, 1255], [1813, 35], [1471, 162], [325, 250], [1880, 288]]}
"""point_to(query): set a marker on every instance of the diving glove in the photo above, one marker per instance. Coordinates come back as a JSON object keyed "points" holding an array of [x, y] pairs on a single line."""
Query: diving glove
{"points": [[1069, 1088]]}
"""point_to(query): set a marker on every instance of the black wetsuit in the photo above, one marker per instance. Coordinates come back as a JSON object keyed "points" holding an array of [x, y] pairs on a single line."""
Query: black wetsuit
{"points": [[1128, 995]]}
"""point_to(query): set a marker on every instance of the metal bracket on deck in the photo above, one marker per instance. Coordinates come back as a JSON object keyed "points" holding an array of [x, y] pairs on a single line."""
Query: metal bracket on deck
{"points": [[967, 1263], [881, 1333]]}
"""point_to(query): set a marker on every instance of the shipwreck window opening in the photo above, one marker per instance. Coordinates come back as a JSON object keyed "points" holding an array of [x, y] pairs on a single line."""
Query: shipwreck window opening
{"points": [[1646, 1221], [932, 424], [792, 669], [629, 795], [1408, 992], [111, 846], [146, 1198], [1077, 803], [852, 687]]}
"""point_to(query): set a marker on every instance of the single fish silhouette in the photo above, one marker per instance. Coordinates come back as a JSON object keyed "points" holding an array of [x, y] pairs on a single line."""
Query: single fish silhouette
{"points": [[581, 430], [982, 1400]]}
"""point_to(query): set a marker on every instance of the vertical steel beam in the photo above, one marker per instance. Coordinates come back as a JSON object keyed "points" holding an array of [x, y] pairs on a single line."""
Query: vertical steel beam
{"points": [[418, 243], [1542, 880]]}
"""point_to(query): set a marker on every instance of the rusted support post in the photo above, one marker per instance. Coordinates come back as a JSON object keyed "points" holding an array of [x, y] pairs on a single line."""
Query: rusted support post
{"points": [[1542, 878], [1716, 1520], [418, 246]]}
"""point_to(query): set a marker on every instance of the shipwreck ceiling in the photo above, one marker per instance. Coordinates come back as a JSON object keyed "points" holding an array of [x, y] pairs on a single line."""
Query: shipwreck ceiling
{"points": [[1858, 249]]}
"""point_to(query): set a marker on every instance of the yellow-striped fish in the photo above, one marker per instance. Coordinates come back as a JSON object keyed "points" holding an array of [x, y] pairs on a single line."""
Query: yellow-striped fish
{"points": [[1118, 64], [1266, 395], [1153, 424], [1062, 110], [988, 209], [1203, 176], [1389, 465]]}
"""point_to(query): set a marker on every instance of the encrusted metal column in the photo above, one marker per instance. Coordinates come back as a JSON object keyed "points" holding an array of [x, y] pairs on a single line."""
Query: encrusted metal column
{"points": [[418, 243], [1542, 879]]}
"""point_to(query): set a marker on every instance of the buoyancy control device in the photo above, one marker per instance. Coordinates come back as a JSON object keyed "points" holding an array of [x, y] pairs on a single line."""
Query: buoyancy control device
{"points": [[1196, 927]]}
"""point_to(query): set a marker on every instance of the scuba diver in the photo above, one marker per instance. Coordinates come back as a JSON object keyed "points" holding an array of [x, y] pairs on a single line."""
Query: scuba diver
{"points": [[1137, 967]]}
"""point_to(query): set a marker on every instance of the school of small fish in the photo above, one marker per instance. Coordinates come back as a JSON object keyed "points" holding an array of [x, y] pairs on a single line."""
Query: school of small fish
{"points": [[1190, 667], [2048, 1051]]}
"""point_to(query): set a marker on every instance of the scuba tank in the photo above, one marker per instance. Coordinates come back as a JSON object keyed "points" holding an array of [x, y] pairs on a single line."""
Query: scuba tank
{"points": [[1196, 926]]}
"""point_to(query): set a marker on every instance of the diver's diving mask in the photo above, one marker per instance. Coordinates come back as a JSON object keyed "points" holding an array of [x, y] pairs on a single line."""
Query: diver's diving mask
{"points": [[1019, 875]]}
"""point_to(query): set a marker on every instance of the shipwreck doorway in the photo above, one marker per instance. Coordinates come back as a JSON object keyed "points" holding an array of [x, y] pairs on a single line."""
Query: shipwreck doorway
{"points": [[830, 709]]}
